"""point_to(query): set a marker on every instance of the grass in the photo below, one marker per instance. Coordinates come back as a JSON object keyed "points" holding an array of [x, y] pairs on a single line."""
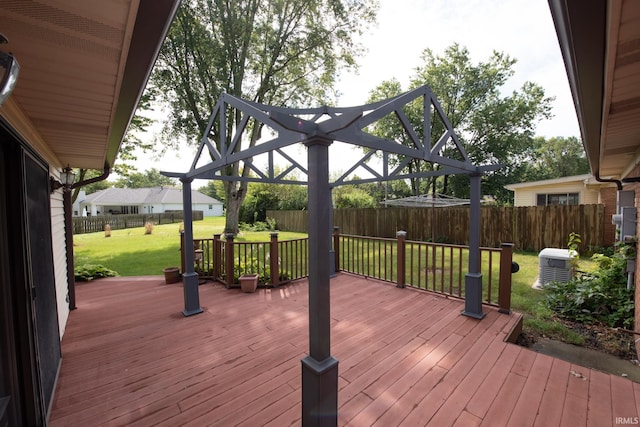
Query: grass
{"points": [[131, 252]]}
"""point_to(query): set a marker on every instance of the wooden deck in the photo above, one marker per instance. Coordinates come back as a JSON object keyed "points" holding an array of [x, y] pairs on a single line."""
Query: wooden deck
{"points": [[407, 358]]}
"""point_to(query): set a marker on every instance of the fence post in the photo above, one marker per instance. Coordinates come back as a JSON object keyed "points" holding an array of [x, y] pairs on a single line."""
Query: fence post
{"points": [[336, 247], [228, 260], [273, 260], [504, 286], [401, 235], [217, 257], [182, 251]]}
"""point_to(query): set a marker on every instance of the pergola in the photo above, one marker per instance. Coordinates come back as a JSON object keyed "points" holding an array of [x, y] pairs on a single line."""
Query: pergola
{"points": [[427, 200], [225, 143]]}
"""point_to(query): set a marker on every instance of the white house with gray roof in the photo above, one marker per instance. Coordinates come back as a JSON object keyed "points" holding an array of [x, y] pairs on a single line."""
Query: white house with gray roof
{"points": [[146, 200]]}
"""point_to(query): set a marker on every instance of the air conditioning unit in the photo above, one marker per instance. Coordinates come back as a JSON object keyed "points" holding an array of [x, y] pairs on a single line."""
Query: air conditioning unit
{"points": [[554, 265]]}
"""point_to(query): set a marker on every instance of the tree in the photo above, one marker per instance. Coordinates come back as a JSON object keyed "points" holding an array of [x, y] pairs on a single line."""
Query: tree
{"points": [[263, 196], [558, 157], [493, 128], [284, 52], [96, 186], [349, 196], [215, 189], [150, 178]]}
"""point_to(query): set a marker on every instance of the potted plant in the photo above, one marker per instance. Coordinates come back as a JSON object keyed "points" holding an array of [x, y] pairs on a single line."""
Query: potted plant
{"points": [[171, 275], [248, 282], [248, 275]]}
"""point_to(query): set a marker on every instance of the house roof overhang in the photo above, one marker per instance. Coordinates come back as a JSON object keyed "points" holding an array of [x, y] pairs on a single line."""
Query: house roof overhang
{"points": [[600, 44], [83, 67]]}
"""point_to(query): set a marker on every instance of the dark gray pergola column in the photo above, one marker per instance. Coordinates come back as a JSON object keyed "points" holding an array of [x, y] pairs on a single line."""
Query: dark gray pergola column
{"points": [[189, 277], [473, 279], [319, 369]]}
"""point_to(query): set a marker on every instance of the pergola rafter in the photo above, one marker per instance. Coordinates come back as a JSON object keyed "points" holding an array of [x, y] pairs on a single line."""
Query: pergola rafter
{"points": [[317, 129], [291, 126]]}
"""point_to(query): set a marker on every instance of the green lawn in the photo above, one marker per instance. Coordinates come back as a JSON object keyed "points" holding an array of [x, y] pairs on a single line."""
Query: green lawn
{"points": [[130, 252]]}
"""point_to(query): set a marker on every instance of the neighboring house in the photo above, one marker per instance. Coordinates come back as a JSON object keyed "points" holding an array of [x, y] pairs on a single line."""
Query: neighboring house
{"points": [[146, 200], [82, 68], [570, 190], [76, 205], [600, 44]]}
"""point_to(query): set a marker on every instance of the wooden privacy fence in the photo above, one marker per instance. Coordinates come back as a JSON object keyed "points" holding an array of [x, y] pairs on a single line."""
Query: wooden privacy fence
{"points": [[530, 228], [433, 267], [92, 224]]}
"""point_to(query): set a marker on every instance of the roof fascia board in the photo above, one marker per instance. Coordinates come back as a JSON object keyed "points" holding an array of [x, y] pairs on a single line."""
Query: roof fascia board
{"points": [[580, 26], [153, 20]]}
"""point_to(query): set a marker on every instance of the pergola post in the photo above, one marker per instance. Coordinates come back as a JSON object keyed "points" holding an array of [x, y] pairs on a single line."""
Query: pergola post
{"points": [[473, 279], [319, 369], [189, 276]]}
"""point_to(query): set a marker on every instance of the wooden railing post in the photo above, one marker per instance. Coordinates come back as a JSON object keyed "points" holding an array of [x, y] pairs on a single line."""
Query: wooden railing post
{"points": [[273, 260], [336, 247], [217, 257], [228, 259], [182, 252], [504, 286], [401, 235]]}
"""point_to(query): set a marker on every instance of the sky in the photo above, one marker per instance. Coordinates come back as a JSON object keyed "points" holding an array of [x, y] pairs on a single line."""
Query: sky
{"points": [[523, 29]]}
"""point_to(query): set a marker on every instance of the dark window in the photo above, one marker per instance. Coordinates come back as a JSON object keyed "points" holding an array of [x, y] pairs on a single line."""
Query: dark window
{"points": [[127, 210], [557, 199]]}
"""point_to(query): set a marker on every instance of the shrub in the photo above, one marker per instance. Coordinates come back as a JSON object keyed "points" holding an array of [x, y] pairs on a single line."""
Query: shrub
{"points": [[268, 225], [88, 272], [252, 266], [601, 296]]}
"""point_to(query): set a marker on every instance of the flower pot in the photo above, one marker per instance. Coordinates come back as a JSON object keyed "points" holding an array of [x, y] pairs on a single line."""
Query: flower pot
{"points": [[248, 282], [171, 275]]}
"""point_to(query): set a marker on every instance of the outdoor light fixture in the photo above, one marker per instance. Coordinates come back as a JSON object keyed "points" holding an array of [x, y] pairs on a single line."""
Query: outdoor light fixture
{"points": [[67, 177], [10, 68]]}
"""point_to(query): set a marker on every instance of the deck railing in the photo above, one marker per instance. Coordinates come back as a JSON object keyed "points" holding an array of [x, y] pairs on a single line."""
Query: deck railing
{"points": [[434, 267], [214, 257], [430, 266]]}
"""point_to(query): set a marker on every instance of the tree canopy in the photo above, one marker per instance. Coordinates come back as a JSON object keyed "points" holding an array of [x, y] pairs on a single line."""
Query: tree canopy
{"points": [[146, 179], [493, 127], [557, 157], [282, 52]]}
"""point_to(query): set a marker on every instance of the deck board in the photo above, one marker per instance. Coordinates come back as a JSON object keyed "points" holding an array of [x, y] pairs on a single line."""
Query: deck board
{"points": [[406, 357]]}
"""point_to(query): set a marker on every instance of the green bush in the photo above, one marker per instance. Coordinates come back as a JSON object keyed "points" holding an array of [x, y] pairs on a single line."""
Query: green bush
{"points": [[87, 272], [268, 225], [251, 266], [598, 297]]}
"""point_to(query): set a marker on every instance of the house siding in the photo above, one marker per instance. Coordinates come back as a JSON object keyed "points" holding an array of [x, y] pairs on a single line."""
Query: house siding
{"points": [[528, 196], [216, 209], [59, 258], [634, 187]]}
